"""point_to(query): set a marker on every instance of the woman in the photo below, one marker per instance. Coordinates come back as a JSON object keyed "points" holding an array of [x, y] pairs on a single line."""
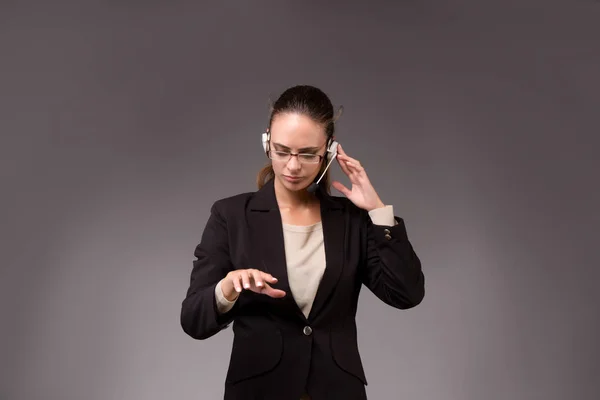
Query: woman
{"points": [[286, 263]]}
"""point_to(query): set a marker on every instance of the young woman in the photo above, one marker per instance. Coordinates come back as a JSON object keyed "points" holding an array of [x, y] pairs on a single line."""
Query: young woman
{"points": [[286, 264]]}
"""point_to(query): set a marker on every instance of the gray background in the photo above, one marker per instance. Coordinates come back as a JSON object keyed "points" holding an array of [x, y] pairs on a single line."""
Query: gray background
{"points": [[122, 121]]}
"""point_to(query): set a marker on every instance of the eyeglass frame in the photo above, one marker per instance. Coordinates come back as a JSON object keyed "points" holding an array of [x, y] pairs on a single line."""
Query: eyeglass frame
{"points": [[290, 155]]}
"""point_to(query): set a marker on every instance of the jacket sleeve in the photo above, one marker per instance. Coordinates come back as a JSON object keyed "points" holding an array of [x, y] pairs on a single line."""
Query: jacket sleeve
{"points": [[200, 316], [391, 269]]}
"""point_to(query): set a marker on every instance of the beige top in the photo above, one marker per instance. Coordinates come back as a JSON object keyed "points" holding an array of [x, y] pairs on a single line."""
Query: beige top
{"points": [[305, 258]]}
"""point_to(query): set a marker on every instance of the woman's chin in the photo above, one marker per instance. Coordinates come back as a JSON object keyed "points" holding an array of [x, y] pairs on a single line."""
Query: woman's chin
{"points": [[293, 183]]}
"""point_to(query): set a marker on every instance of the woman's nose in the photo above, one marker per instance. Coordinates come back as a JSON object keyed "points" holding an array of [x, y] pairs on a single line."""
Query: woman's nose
{"points": [[293, 163]]}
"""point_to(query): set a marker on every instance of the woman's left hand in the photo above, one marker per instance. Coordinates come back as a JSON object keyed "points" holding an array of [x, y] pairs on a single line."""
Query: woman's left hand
{"points": [[362, 194]]}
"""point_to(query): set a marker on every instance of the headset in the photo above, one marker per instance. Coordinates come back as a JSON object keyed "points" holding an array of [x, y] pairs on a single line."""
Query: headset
{"points": [[329, 156]]}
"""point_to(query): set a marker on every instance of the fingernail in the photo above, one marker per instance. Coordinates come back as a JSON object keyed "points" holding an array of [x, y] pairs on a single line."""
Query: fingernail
{"points": [[238, 289], [258, 283], [246, 286]]}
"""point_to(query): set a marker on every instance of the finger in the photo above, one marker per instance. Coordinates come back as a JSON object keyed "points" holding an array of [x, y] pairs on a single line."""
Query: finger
{"points": [[343, 153], [245, 279], [348, 159], [343, 189], [351, 171], [353, 164], [235, 279], [256, 277], [271, 292], [268, 277], [349, 165], [354, 168], [343, 165]]}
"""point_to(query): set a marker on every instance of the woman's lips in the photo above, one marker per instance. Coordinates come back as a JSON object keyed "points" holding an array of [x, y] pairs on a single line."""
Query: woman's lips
{"points": [[292, 178]]}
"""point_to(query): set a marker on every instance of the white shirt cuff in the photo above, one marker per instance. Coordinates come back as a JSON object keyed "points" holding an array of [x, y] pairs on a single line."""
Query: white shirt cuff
{"points": [[383, 216]]}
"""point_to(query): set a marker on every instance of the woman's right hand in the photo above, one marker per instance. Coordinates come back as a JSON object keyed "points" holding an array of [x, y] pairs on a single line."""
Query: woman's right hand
{"points": [[250, 279]]}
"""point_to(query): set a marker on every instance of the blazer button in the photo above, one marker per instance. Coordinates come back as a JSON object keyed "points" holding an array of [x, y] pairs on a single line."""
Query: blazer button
{"points": [[307, 330], [387, 236], [387, 231]]}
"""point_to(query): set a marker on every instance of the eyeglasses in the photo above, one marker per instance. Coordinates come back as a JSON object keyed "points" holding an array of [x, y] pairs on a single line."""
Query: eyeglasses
{"points": [[285, 156]]}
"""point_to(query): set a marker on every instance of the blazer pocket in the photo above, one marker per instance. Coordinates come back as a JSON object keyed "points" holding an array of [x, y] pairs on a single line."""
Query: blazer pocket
{"points": [[254, 354], [344, 349]]}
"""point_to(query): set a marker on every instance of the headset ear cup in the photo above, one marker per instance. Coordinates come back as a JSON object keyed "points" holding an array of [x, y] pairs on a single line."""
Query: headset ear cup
{"points": [[331, 149], [265, 142]]}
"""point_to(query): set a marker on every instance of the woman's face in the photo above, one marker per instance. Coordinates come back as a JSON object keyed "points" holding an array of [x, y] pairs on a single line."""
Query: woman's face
{"points": [[296, 133]]}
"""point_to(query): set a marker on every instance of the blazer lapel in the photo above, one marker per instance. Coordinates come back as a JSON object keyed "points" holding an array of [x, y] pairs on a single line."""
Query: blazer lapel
{"points": [[266, 242], [334, 236]]}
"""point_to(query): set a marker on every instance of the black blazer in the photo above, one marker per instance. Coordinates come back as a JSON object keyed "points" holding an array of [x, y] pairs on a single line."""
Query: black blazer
{"points": [[277, 352]]}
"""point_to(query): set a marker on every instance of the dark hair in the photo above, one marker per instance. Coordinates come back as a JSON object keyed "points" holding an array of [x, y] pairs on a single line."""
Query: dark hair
{"points": [[313, 103]]}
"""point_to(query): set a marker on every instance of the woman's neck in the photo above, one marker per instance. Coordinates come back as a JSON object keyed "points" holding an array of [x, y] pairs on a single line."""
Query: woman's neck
{"points": [[294, 200]]}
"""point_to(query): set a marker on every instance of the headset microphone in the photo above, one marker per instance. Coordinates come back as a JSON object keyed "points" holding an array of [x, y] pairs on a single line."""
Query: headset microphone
{"points": [[315, 185], [312, 188]]}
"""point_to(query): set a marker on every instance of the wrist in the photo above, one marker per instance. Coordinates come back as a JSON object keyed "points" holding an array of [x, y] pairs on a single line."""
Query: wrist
{"points": [[378, 204], [228, 291]]}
